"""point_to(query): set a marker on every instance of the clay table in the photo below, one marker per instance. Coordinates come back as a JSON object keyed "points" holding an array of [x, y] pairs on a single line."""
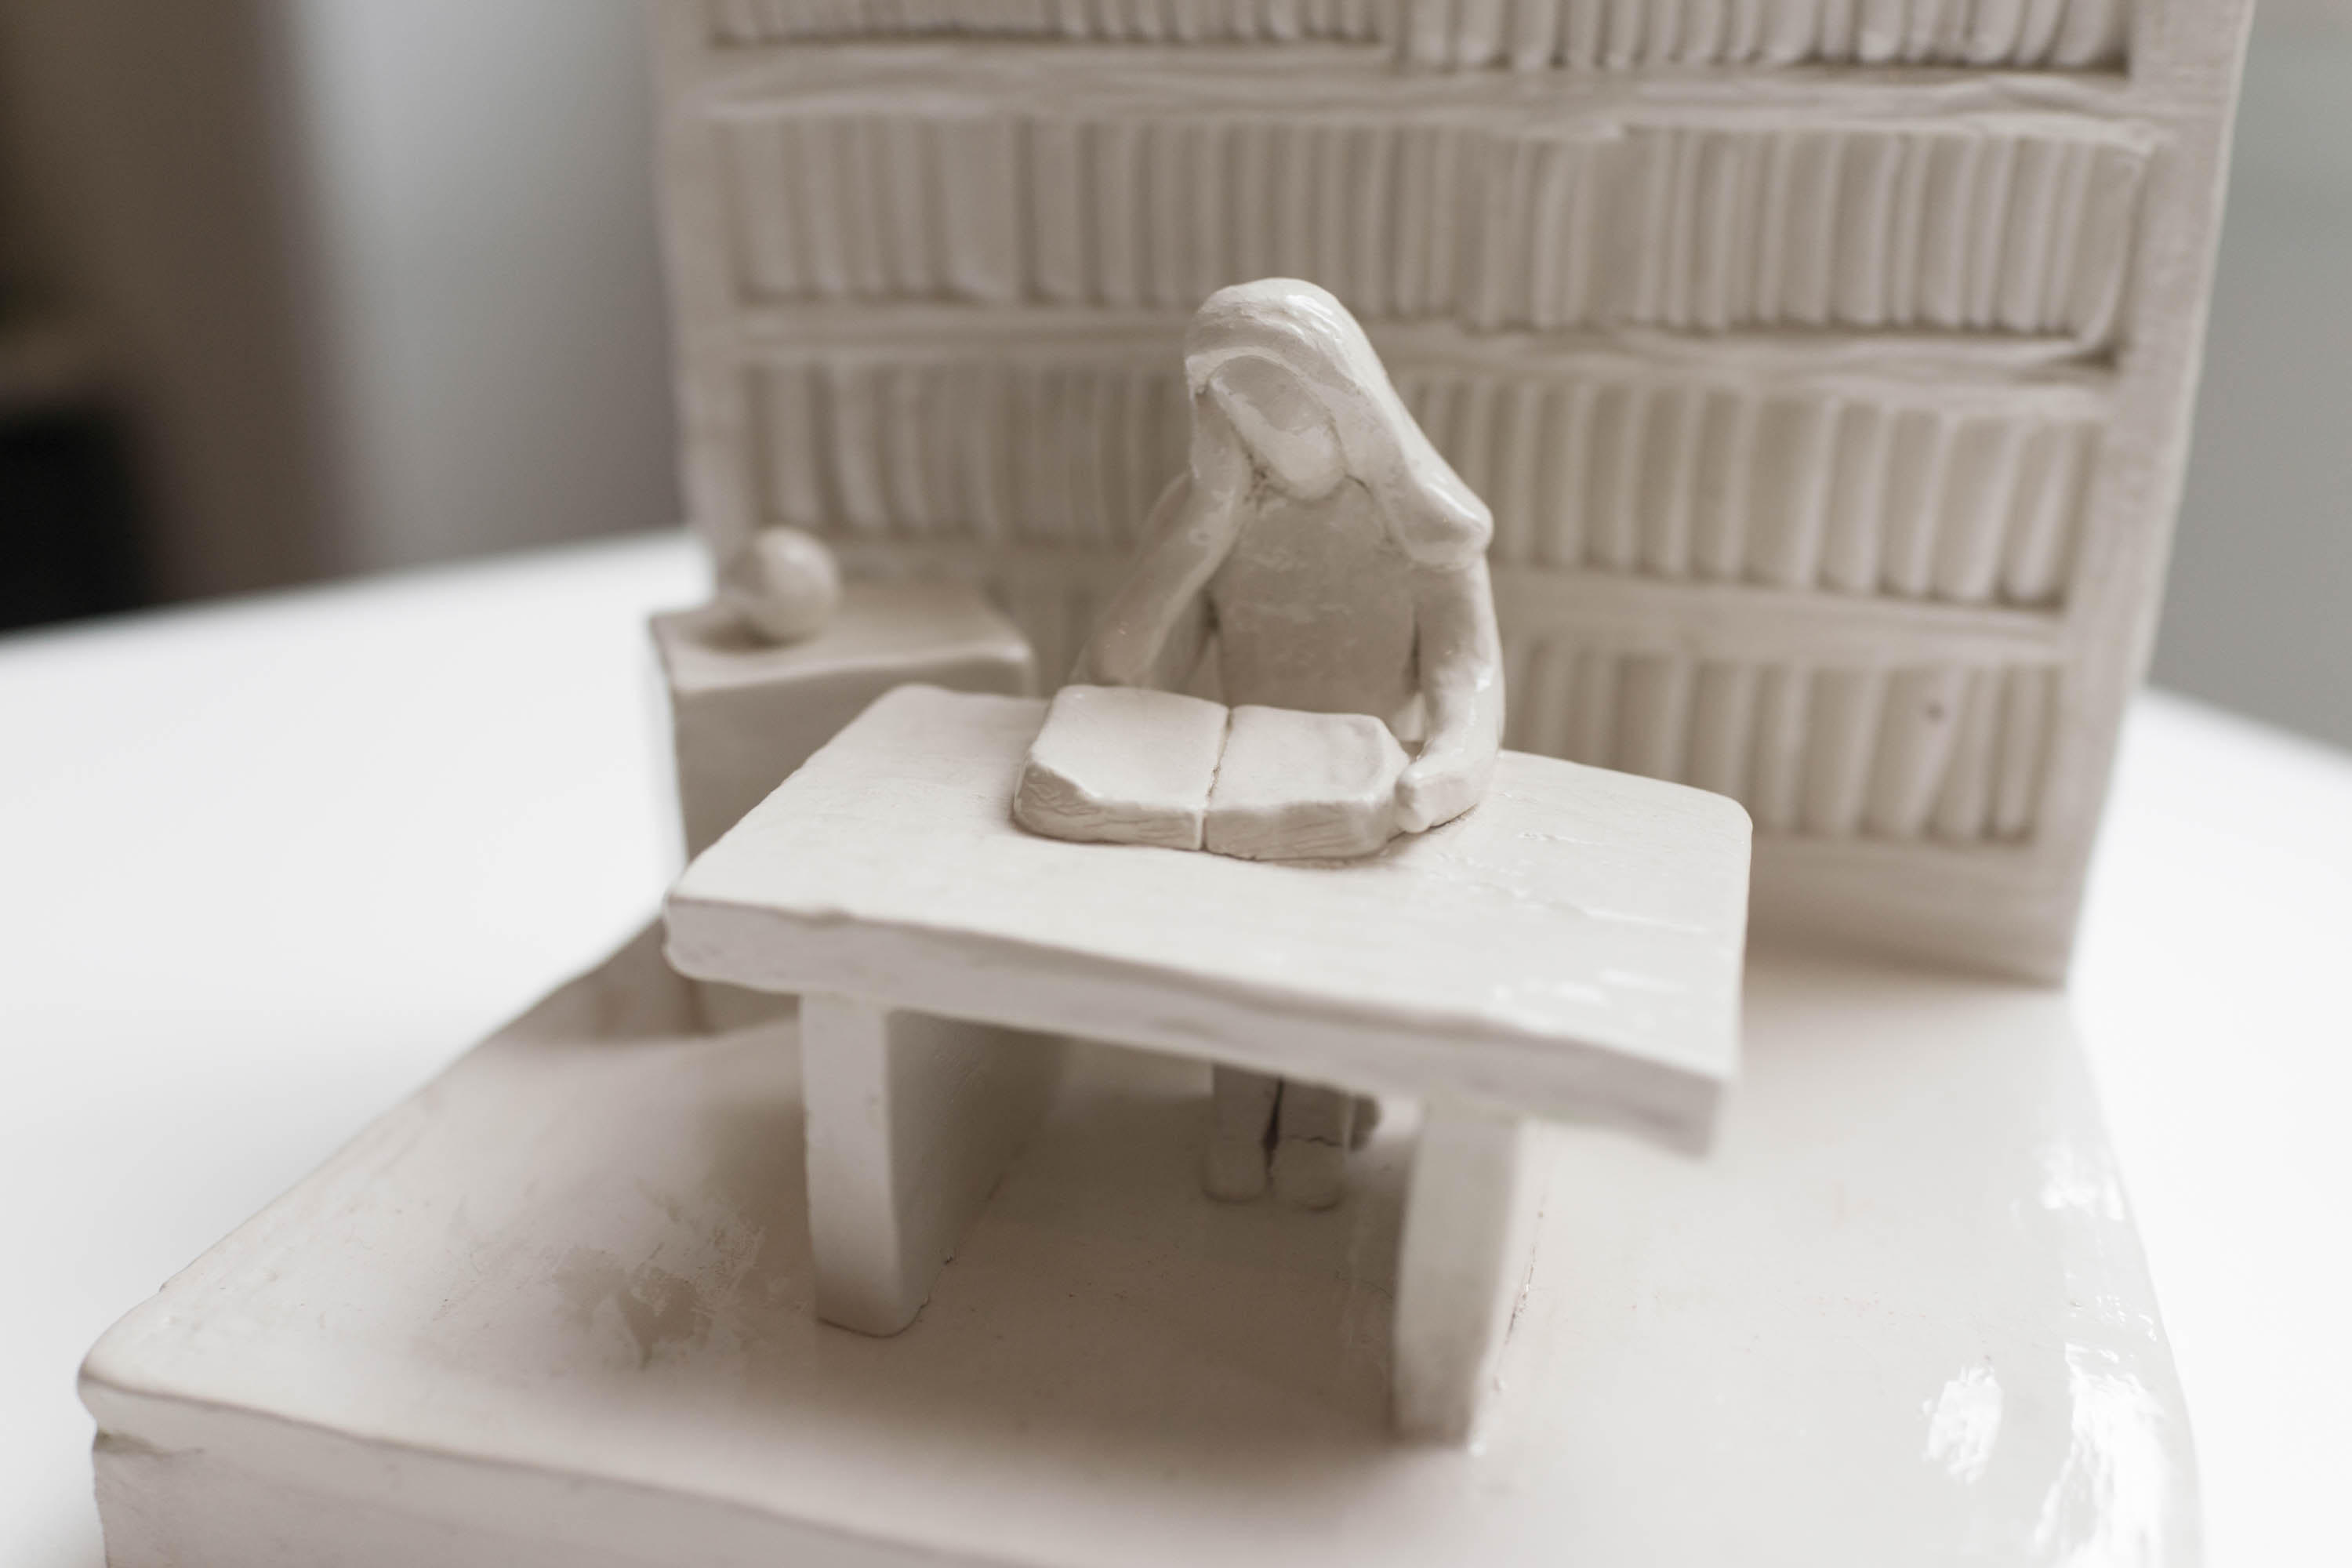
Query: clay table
{"points": [[1570, 951]]}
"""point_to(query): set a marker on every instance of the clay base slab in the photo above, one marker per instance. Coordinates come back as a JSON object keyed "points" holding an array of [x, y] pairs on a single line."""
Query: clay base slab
{"points": [[555, 1309]]}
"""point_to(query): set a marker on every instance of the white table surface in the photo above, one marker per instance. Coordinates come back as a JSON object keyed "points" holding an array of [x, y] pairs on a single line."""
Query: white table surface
{"points": [[388, 816]]}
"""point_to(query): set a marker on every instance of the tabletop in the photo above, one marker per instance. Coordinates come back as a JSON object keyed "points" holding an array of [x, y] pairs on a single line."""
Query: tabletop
{"points": [[266, 865], [1571, 949]]}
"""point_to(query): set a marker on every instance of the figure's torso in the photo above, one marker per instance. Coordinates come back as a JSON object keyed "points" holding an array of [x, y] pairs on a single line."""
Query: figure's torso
{"points": [[1314, 609]]}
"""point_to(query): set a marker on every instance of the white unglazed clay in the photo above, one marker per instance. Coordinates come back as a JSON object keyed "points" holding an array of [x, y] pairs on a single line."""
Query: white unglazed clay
{"points": [[1241, 1123], [1121, 765], [784, 584], [745, 712], [911, 1120], [1333, 565], [1295, 786], [1330, 560], [554, 1311], [1827, 368], [1570, 951], [1314, 1130], [1469, 1224]]}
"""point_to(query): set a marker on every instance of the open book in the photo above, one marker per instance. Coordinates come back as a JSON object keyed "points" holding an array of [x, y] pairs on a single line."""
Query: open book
{"points": [[1117, 764]]}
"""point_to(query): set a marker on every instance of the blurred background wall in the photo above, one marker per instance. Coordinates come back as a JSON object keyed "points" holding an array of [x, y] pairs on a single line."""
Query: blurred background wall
{"points": [[367, 283], [2258, 611], [480, 174], [152, 284]]}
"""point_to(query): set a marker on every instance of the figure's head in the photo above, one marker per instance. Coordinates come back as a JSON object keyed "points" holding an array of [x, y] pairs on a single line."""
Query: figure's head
{"points": [[1296, 380], [1282, 421]]}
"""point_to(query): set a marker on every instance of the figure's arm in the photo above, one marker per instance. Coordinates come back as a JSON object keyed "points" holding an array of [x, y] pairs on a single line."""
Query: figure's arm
{"points": [[1461, 658], [1185, 541]]}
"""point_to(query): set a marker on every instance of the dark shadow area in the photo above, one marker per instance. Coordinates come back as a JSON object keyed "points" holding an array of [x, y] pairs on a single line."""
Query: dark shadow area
{"points": [[70, 519]]}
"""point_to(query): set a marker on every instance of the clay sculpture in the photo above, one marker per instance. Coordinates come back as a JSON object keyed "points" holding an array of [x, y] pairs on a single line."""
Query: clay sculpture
{"points": [[1322, 567]]}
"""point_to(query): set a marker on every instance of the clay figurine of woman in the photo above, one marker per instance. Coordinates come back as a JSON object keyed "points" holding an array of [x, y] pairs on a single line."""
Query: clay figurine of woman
{"points": [[1326, 558]]}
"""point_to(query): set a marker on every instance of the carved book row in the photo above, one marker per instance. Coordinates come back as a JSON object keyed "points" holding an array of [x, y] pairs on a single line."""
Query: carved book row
{"points": [[1977, 225], [1826, 363], [1529, 35], [1954, 753], [1951, 753], [1894, 490]]}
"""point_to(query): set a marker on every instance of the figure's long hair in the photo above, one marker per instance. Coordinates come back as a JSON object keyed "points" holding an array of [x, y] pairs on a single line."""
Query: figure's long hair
{"points": [[1433, 516]]}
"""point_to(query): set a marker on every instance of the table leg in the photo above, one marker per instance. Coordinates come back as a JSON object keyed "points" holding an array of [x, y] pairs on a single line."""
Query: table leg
{"points": [[911, 1121], [1469, 1238], [1241, 1118]]}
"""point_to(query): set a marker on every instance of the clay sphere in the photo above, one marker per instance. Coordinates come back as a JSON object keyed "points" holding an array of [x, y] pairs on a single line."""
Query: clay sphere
{"points": [[784, 585]]}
